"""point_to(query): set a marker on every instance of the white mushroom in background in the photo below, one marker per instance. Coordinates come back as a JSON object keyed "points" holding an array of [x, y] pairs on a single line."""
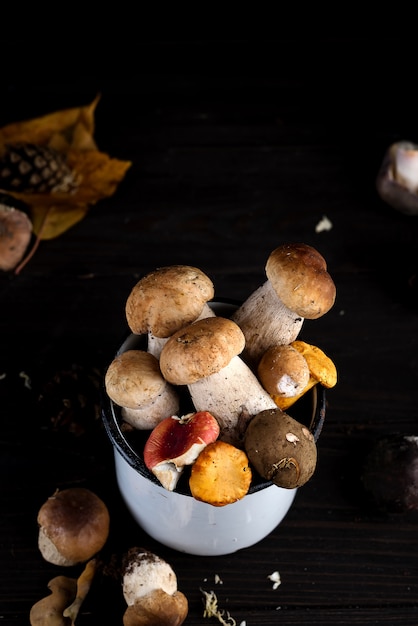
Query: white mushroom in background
{"points": [[166, 300], [298, 286], [397, 180]]}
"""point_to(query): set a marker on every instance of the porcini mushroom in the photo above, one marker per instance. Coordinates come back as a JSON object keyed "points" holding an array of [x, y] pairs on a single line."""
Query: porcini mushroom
{"points": [[167, 299], [150, 590], [15, 235], [280, 448], [397, 179], [73, 526], [205, 357], [283, 372], [321, 368], [298, 286], [134, 382], [176, 442]]}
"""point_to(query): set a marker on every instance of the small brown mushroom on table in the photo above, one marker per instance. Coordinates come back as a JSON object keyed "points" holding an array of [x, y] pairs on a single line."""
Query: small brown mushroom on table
{"points": [[73, 526], [150, 590], [205, 357], [167, 299], [134, 382], [298, 286], [15, 235]]}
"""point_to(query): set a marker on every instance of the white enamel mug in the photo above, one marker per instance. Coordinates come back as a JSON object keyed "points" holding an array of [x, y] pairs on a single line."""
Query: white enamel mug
{"points": [[175, 518]]}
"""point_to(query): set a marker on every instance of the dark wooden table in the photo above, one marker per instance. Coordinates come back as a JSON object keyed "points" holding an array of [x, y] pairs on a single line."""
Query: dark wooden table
{"points": [[226, 167]]}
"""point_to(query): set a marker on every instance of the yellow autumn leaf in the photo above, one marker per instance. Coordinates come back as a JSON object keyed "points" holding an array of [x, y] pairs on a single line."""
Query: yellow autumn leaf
{"points": [[70, 132], [99, 177], [53, 129], [50, 222]]}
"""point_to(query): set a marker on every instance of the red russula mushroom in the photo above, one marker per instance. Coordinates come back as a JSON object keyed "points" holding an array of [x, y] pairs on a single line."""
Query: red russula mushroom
{"points": [[176, 442]]}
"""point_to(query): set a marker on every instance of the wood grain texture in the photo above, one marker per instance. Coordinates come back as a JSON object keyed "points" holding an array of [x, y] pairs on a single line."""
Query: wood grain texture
{"points": [[225, 168]]}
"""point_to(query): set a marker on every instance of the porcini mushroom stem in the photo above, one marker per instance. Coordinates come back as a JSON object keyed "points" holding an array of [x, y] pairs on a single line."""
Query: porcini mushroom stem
{"points": [[233, 396], [266, 321]]}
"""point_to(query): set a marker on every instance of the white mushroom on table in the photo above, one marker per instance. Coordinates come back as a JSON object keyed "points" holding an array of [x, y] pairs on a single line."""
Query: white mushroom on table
{"points": [[149, 586]]}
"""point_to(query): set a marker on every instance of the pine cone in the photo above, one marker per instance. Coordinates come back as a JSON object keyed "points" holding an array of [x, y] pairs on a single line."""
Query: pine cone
{"points": [[27, 167]]}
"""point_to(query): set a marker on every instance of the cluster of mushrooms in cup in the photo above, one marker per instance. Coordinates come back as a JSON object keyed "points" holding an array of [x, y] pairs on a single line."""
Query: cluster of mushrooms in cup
{"points": [[242, 375]]}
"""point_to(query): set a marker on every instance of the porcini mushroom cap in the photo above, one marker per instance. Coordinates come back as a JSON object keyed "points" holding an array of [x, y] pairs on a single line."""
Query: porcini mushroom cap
{"points": [[73, 526], [298, 274], [280, 448], [133, 379], [15, 235], [201, 349], [167, 299], [157, 608], [283, 371]]}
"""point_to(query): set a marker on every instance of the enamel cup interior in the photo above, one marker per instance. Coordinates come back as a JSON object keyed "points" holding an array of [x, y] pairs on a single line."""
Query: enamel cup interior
{"points": [[176, 519]]}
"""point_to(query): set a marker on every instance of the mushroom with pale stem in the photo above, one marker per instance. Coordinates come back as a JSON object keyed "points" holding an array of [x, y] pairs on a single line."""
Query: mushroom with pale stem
{"points": [[167, 299], [73, 526], [397, 180], [134, 382], [176, 442], [150, 590], [298, 286], [205, 357], [283, 372]]}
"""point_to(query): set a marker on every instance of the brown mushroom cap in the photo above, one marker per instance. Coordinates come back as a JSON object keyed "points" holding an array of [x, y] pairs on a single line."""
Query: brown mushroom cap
{"points": [[280, 449], [283, 371], [167, 299], [134, 378], [157, 608], [299, 276], [201, 349], [73, 526], [15, 235]]}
